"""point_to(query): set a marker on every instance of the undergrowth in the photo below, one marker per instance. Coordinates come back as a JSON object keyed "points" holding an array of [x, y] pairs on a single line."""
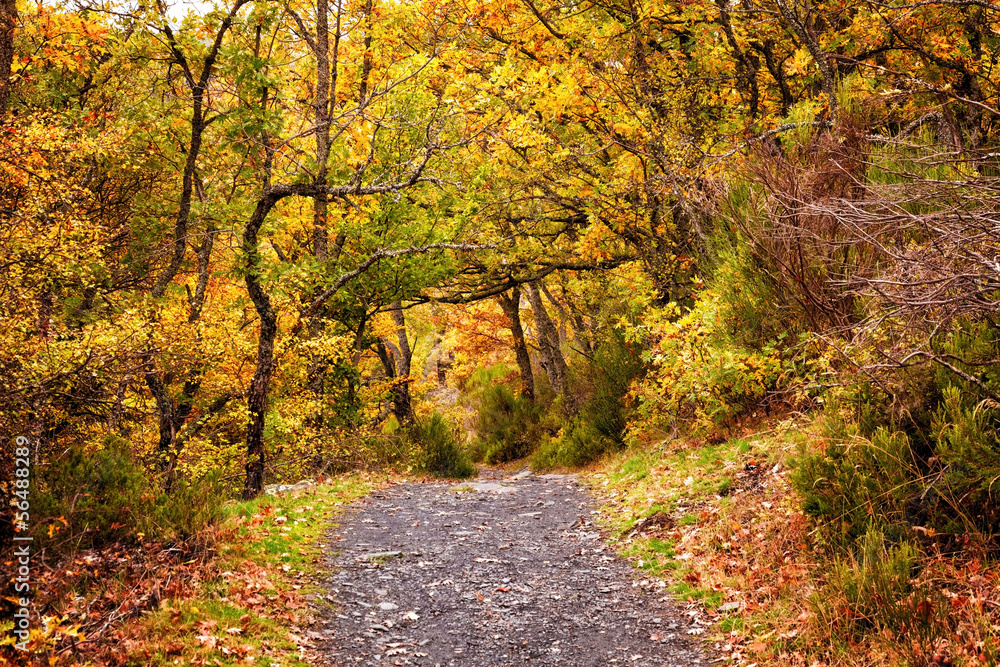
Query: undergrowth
{"points": [[237, 594], [729, 531], [507, 425], [438, 451], [599, 425], [107, 497]]}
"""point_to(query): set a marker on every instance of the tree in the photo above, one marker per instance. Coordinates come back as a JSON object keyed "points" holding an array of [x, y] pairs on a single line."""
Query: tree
{"points": [[8, 23], [174, 413], [511, 305]]}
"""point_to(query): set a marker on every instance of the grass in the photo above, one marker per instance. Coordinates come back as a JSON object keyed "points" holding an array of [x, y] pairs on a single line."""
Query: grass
{"points": [[716, 524], [721, 529], [251, 603], [658, 482]]}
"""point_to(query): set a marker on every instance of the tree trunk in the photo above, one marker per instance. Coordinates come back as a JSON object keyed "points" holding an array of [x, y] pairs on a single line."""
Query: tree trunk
{"points": [[257, 399], [172, 417], [326, 86], [548, 341], [322, 129], [261, 383], [802, 28], [388, 354], [366, 63], [164, 411], [511, 306], [199, 121], [317, 364], [8, 22], [404, 404], [561, 327]]}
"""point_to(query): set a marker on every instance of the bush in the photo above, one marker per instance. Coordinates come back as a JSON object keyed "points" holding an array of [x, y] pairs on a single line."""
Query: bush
{"points": [[753, 309], [848, 486], [939, 473], [875, 588], [600, 425], [507, 425], [577, 446], [967, 453], [88, 499], [439, 454], [615, 365], [189, 507], [700, 376]]}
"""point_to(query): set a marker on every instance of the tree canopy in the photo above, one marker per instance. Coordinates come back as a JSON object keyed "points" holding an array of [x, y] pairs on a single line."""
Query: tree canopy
{"points": [[240, 239]]}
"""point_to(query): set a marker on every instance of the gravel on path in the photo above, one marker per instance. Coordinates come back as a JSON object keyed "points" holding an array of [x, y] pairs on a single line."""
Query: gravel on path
{"points": [[488, 573]]}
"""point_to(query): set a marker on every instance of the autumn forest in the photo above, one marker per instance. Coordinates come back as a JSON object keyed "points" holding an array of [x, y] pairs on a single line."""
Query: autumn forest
{"points": [[734, 265]]}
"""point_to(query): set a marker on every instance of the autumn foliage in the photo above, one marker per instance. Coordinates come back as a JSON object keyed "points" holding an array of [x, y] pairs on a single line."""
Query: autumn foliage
{"points": [[261, 242]]}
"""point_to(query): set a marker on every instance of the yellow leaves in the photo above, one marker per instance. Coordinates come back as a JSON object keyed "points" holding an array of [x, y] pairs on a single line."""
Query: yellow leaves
{"points": [[70, 631], [336, 347], [67, 41], [596, 242], [630, 168], [359, 143]]}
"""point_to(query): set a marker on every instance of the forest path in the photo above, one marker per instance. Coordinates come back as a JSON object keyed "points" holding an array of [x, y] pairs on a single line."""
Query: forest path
{"points": [[488, 573]]}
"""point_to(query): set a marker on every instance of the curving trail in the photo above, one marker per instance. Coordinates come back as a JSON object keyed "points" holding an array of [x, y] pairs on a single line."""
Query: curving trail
{"points": [[491, 573]]}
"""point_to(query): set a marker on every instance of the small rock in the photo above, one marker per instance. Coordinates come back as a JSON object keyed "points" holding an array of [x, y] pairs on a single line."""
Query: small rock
{"points": [[388, 606]]}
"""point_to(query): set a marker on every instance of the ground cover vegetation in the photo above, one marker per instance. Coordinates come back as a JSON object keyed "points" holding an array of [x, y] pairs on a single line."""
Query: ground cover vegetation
{"points": [[740, 258]]}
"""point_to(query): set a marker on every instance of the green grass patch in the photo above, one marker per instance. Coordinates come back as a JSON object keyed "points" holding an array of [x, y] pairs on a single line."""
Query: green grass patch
{"points": [[653, 556], [732, 624], [686, 591], [663, 548], [657, 497], [268, 551]]}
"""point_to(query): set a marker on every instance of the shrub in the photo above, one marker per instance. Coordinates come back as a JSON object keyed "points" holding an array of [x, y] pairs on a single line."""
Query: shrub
{"points": [[967, 453], [189, 507], [439, 454], [600, 424], [615, 365], [87, 499], [507, 426], [940, 473], [849, 485], [753, 309], [578, 445], [699, 376], [874, 587]]}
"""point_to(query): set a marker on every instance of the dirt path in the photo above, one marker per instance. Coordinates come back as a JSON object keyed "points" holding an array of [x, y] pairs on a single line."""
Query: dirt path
{"points": [[501, 572]]}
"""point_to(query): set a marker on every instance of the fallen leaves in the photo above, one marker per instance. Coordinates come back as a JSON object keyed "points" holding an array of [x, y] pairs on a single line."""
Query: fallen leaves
{"points": [[129, 603]]}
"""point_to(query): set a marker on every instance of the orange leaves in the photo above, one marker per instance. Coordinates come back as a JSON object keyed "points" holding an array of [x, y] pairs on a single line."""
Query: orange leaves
{"points": [[477, 334], [64, 41]]}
